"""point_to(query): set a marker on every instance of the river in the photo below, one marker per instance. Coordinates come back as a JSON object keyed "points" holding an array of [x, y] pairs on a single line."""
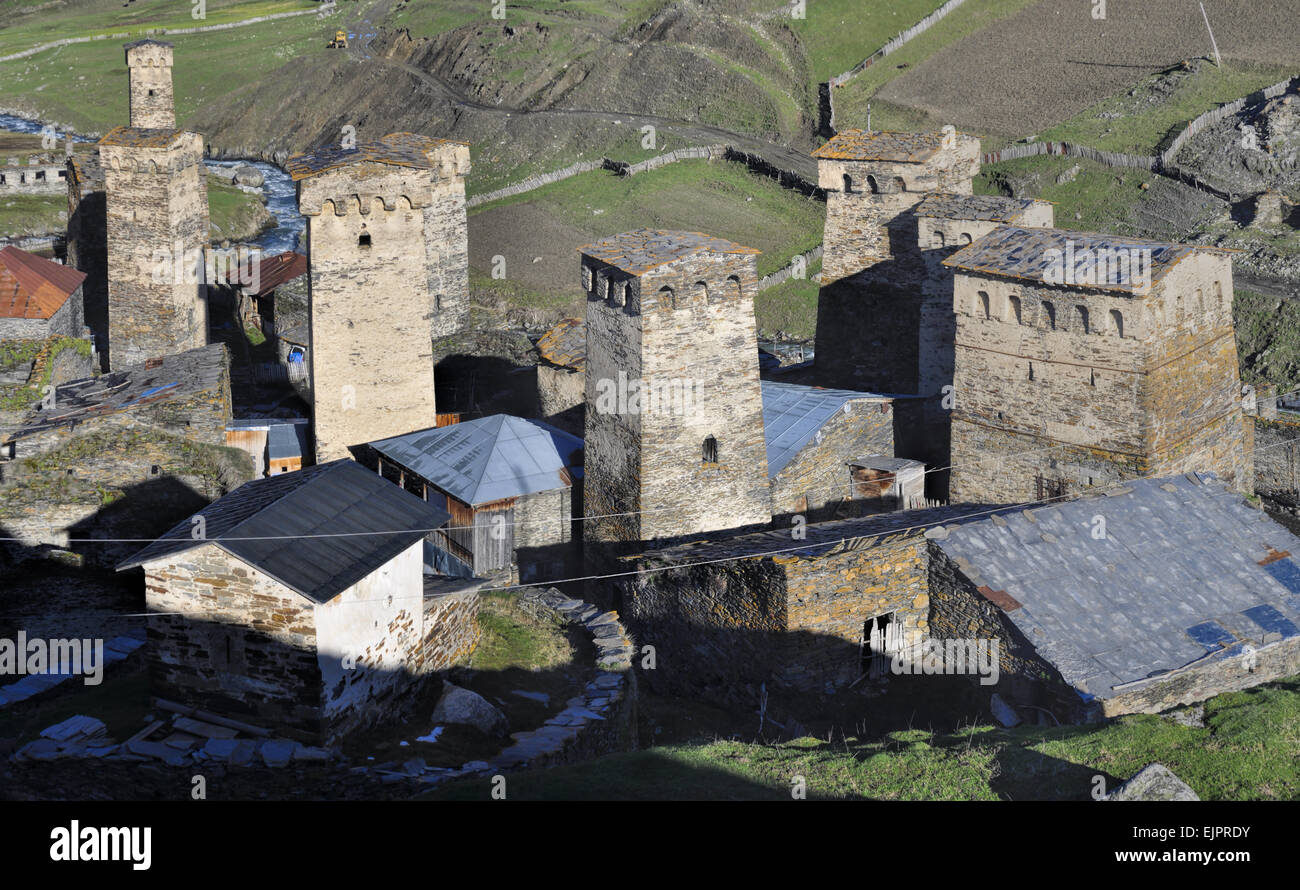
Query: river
{"points": [[277, 189]]}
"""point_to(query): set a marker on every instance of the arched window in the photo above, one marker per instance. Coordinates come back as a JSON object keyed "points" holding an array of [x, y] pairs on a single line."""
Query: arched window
{"points": [[1082, 312], [1049, 315], [710, 450], [965, 238], [667, 298], [1218, 292], [1200, 301], [872, 185], [733, 286], [848, 184], [899, 185], [1117, 322], [984, 304], [1014, 303], [701, 291], [936, 240]]}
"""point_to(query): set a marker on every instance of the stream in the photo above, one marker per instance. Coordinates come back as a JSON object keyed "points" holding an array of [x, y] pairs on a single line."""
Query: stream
{"points": [[277, 189]]}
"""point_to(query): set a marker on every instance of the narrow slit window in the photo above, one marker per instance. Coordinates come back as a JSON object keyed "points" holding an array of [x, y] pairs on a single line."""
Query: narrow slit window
{"points": [[710, 450]]}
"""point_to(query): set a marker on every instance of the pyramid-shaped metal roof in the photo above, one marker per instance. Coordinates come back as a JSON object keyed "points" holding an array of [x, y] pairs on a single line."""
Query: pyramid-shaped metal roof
{"points": [[487, 459]]}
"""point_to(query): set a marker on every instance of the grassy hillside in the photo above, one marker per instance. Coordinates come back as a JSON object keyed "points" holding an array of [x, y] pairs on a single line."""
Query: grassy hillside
{"points": [[1249, 749]]}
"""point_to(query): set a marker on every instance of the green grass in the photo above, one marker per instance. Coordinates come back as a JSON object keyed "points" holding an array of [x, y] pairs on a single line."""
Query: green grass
{"points": [[513, 639], [1268, 339], [22, 396], [1248, 750], [789, 310], [1097, 200], [839, 34], [85, 85], [1142, 127], [33, 214]]}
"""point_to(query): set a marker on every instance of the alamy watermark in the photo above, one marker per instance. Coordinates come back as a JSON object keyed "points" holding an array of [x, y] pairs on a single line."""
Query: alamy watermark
{"points": [[678, 396], [178, 264], [952, 656], [23, 656], [1128, 266]]}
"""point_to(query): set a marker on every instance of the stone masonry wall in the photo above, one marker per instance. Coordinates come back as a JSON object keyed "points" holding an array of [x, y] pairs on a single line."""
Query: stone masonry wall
{"points": [[150, 99], [156, 202], [227, 638], [451, 630], [446, 234], [371, 309], [698, 339], [1277, 465]]}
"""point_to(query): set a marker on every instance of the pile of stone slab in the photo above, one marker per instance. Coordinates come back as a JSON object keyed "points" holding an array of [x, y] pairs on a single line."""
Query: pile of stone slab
{"points": [[115, 650], [182, 736]]}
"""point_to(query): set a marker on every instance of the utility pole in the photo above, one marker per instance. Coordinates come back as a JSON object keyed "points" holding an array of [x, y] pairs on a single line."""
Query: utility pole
{"points": [[1213, 43]]}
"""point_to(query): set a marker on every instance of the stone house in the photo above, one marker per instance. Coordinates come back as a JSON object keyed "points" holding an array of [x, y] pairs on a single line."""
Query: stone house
{"points": [[511, 486], [812, 614], [257, 301], [39, 298], [386, 238], [1084, 359], [1139, 599], [304, 603]]}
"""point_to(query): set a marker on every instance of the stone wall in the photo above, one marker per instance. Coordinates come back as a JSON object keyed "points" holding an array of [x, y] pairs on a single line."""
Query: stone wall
{"points": [[663, 329], [67, 321], [156, 206], [1141, 385], [559, 389], [33, 179], [1277, 454], [451, 630], [818, 479]]}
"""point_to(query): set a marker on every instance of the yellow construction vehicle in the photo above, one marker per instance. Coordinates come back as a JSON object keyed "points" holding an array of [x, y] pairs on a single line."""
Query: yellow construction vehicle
{"points": [[340, 40]]}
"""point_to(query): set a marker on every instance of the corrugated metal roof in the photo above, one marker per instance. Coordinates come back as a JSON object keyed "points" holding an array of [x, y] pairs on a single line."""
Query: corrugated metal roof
{"points": [[32, 286], [988, 208], [396, 149], [1029, 254], [881, 145], [274, 271], [285, 440], [793, 414], [641, 250], [1177, 573], [345, 521], [487, 459]]}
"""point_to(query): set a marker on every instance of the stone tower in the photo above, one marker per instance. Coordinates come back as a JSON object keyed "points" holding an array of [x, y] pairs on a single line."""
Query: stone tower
{"points": [[1085, 359], [151, 102], [869, 306], [156, 220], [674, 416], [383, 270]]}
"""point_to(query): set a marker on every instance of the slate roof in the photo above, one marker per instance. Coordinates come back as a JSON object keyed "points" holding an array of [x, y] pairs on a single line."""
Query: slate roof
{"points": [[988, 208], [565, 345], [487, 459], [345, 522], [1186, 570], [145, 42], [396, 149], [141, 137], [32, 286], [792, 415], [274, 271], [881, 145], [641, 250], [1013, 252], [173, 376]]}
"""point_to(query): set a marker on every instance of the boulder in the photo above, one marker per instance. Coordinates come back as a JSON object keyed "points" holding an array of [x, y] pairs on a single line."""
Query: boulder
{"points": [[462, 706], [1153, 782], [249, 176], [1003, 712]]}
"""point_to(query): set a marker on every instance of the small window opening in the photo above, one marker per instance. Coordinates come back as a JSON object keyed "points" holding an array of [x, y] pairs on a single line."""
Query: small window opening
{"points": [[710, 450], [879, 643], [363, 240]]}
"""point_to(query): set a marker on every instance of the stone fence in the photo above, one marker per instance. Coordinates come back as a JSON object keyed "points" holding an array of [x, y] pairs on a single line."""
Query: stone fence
{"points": [[1215, 115], [800, 264], [1069, 149]]}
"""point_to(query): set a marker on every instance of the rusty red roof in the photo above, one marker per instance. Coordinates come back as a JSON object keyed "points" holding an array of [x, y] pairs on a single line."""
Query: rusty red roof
{"points": [[34, 287], [274, 271]]}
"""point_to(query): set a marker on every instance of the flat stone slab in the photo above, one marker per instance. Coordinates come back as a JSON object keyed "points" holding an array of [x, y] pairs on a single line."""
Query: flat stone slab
{"points": [[277, 752], [1153, 782]]}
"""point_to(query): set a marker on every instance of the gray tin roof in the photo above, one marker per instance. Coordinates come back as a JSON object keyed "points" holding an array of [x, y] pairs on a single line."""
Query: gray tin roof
{"points": [[285, 440], [345, 522], [793, 414], [487, 459], [1186, 570]]}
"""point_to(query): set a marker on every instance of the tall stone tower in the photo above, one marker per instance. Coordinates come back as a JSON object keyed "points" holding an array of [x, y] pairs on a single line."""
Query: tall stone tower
{"points": [[1085, 359], [156, 220], [869, 306], [674, 416], [152, 105], [383, 268]]}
